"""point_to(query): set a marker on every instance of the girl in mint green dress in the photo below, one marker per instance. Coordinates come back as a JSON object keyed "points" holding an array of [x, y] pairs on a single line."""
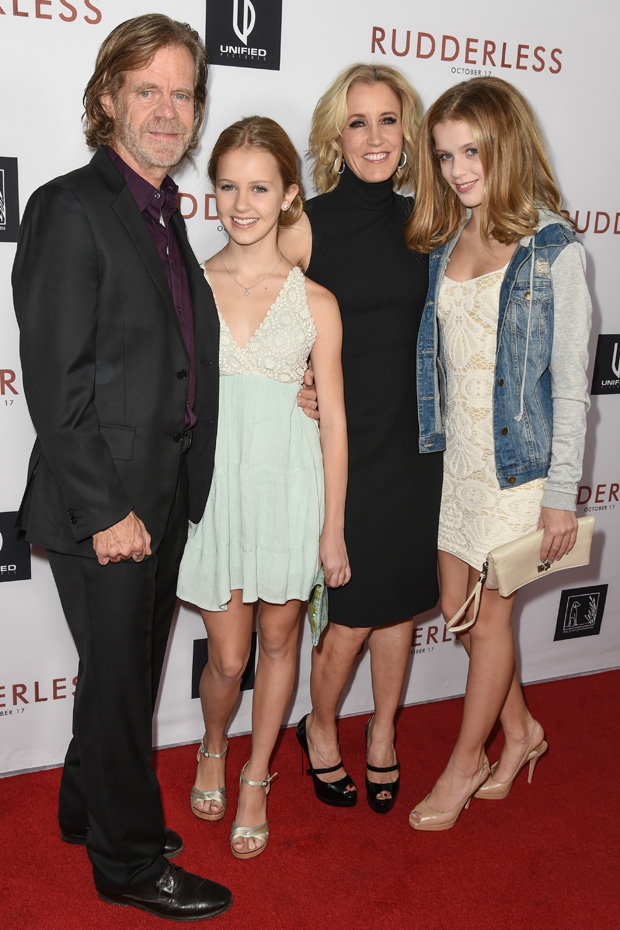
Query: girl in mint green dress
{"points": [[275, 512]]}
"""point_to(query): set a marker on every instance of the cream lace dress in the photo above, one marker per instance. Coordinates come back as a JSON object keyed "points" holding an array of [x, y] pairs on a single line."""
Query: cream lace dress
{"points": [[476, 515], [261, 526]]}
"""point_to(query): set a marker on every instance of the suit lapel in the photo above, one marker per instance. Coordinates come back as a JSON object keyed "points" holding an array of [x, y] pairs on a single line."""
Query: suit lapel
{"points": [[205, 315], [206, 321], [126, 208], [197, 281]]}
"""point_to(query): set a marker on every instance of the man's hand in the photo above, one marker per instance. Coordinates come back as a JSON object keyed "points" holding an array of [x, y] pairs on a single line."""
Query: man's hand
{"points": [[306, 398], [127, 539]]}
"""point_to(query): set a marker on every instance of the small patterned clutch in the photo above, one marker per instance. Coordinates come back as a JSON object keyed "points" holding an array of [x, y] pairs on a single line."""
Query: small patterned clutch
{"points": [[317, 607]]}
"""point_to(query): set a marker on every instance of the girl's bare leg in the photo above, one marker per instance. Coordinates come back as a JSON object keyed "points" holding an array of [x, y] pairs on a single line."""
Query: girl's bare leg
{"points": [[278, 630], [230, 637], [489, 681], [516, 720]]}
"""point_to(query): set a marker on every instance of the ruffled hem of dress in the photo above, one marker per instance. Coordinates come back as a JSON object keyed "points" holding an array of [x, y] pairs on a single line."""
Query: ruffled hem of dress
{"points": [[252, 577]]}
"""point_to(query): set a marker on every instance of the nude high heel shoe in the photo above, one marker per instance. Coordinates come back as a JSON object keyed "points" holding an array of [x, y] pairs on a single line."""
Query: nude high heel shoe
{"points": [[443, 820], [493, 790]]}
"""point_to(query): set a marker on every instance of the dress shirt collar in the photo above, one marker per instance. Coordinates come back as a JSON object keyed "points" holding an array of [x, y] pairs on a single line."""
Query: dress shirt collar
{"points": [[143, 192]]}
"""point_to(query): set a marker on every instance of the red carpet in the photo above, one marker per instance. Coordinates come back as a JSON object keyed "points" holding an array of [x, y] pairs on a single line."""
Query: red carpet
{"points": [[546, 857]]}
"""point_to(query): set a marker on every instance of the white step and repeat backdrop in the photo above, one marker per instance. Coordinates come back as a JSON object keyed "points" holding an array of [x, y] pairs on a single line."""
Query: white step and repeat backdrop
{"points": [[275, 57]]}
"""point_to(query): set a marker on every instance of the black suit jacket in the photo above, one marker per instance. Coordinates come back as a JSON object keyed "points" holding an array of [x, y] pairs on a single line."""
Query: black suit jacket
{"points": [[105, 365]]}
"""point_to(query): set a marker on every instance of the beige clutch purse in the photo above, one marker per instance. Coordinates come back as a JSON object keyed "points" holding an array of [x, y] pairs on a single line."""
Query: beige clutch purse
{"points": [[516, 563]]}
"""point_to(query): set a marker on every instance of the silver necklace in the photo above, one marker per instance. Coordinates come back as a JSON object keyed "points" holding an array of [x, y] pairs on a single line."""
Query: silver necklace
{"points": [[248, 288]]}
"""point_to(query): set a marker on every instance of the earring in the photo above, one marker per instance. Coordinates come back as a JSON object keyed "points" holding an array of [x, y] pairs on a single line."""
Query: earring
{"points": [[340, 159], [220, 228], [404, 155], [285, 206]]}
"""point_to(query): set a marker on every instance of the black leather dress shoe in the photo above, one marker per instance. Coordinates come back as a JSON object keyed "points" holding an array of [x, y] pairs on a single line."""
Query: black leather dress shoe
{"points": [[177, 895], [173, 844]]}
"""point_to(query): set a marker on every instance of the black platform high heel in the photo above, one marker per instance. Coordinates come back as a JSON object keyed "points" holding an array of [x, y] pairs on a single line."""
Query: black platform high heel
{"points": [[381, 805], [329, 792]]}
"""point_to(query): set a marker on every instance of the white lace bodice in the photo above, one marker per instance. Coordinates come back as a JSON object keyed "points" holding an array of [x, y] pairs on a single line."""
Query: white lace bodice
{"points": [[280, 346], [468, 313], [476, 515]]}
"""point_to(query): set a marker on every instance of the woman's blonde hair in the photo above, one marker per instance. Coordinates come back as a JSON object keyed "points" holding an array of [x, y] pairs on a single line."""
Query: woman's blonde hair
{"points": [[265, 134], [517, 176], [330, 117]]}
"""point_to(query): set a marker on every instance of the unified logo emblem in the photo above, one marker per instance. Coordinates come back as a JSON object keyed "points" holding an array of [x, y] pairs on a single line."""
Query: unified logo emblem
{"points": [[606, 377], [243, 27], [14, 551], [9, 200], [581, 612], [245, 33]]}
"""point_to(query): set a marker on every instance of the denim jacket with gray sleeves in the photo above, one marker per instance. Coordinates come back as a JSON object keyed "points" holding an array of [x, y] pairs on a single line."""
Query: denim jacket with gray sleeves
{"points": [[540, 394]]}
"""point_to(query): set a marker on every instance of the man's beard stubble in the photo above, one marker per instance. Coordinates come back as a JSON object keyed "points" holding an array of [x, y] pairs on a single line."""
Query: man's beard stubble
{"points": [[149, 151]]}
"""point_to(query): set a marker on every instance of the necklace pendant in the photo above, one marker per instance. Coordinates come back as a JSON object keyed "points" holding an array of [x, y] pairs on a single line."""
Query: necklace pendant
{"points": [[246, 290]]}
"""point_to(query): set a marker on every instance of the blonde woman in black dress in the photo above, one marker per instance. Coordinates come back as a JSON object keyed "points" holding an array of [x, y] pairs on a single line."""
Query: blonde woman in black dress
{"points": [[351, 241]]}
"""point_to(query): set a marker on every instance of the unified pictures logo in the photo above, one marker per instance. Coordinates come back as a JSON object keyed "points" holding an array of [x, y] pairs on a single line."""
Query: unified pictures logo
{"points": [[9, 200], [245, 33], [606, 377], [14, 551], [580, 612]]}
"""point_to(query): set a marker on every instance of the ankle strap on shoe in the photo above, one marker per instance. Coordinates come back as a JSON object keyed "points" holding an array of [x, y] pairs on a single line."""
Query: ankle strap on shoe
{"points": [[259, 784], [212, 755], [331, 768], [383, 768]]}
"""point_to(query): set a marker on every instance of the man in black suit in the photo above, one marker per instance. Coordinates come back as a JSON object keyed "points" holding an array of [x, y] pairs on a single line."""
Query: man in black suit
{"points": [[119, 347]]}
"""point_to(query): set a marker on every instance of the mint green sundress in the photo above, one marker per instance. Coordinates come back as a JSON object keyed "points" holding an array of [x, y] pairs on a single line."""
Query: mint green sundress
{"points": [[261, 526]]}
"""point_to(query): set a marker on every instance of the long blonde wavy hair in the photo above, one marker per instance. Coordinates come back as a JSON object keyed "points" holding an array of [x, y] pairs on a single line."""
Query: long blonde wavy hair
{"points": [[517, 175]]}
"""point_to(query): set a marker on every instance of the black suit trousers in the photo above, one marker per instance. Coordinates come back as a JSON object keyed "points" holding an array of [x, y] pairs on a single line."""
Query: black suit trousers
{"points": [[120, 616]]}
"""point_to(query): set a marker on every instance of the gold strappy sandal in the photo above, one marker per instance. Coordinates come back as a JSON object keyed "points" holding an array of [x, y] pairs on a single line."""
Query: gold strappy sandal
{"points": [[258, 833], [218, 795]]}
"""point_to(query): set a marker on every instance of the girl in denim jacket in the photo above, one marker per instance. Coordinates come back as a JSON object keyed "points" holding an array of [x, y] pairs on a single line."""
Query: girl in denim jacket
{"points": [[502, 387]]}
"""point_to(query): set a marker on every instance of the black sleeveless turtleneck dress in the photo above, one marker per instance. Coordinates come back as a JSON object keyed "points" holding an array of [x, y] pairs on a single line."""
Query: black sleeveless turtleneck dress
{"points": [[393, 493]]}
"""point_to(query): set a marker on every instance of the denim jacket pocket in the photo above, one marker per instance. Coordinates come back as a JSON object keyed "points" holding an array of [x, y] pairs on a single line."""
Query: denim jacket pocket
{"points": [[531, 304]]}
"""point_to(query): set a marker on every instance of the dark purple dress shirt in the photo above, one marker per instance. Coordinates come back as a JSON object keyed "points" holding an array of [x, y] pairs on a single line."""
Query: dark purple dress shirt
{"points": [[157, 206]]}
